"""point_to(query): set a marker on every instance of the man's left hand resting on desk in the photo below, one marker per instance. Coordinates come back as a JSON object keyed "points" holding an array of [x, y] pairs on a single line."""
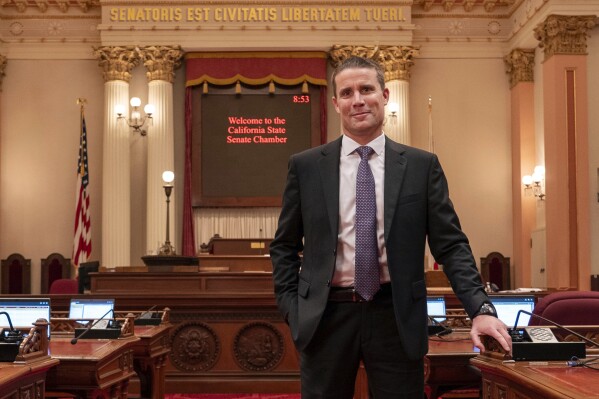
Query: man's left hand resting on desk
{"points": [[493, 327]]}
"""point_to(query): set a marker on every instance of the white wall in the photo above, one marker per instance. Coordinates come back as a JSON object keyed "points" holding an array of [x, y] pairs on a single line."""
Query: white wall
{"points": [[471, 130], [39, 140]]}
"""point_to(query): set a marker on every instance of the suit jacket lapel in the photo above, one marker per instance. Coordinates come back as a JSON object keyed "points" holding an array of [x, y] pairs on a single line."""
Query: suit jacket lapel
{"points": [[395, 168], [329, 175]]}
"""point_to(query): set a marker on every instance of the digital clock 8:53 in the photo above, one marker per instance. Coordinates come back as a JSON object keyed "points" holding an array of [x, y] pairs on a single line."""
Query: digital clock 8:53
{"points": [[301, 99]]}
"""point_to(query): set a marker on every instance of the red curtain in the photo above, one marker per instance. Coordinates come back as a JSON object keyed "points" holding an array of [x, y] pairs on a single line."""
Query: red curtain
{"points": [[284, 68]]}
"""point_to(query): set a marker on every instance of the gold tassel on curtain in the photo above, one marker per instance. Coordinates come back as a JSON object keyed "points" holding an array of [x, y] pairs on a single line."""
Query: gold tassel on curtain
{"points": [[205, 88], [271, 87], [305, 87], [238, 88]]}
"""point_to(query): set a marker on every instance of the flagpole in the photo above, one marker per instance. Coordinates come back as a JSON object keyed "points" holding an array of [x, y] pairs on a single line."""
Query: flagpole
{"points": [[431, 141], [81, 102]]}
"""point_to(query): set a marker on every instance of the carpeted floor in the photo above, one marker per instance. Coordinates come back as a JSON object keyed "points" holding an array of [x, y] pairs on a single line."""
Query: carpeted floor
{"points": [[232, 396]]}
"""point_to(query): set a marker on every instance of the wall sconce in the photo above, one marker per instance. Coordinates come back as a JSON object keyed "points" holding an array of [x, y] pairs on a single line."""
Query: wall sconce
{"points": [[535, 183], [167, 177], [393, 108], [136, 121]]}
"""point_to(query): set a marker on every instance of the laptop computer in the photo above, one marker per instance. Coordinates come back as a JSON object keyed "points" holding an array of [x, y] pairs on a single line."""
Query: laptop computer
{"points": [[508, 307], [24, 312], [91, 308], [435, 306]]}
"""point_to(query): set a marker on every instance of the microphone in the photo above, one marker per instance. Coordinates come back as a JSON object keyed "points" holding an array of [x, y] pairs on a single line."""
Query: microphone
{"points": [[12, 335], [143, 315], [553, 323], [9, 343], [437, 328], [74, 340]]}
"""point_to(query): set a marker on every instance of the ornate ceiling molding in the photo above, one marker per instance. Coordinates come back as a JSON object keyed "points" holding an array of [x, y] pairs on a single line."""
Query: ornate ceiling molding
{"points": [[466, 5], [43, 5]]}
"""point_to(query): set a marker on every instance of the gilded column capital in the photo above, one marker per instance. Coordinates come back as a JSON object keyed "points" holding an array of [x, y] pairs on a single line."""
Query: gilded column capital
{"points": [[3, 62], [161, 61], [519, 65], [395, 60], [564, 34], [117, 61]]}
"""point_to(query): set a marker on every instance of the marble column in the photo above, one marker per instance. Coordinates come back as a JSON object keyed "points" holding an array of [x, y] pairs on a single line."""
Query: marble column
{"points": [[520, 69], [565, 101], [116, 63], [396, 62], [161, 62]]}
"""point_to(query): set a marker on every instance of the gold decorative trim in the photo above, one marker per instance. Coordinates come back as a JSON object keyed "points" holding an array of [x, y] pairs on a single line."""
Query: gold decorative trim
{"points": [[161, 61], [564, 34], [519, 66], [395, 60], [117, 62], [43, 5]]}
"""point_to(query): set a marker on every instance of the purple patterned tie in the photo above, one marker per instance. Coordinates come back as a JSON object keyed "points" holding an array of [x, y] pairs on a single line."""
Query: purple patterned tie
{"points": [[367, 280]]}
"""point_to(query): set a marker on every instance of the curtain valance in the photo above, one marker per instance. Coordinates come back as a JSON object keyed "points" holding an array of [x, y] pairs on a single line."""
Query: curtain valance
{"points": [[257, 68]]}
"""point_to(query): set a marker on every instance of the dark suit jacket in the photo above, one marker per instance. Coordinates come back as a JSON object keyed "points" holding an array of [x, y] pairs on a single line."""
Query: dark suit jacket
{"points": [[417, 205]]}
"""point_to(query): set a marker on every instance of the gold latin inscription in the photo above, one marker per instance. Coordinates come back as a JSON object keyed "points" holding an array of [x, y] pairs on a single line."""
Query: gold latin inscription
{"points": [[256, 14]]}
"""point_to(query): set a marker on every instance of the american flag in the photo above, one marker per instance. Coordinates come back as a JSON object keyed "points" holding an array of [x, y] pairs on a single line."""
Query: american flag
{"points": [[82, 245]]}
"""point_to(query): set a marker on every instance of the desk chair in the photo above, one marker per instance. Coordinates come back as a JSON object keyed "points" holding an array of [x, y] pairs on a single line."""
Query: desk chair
{"points": [[16, 274], [54, 267], [495, 269], [64, 286], [569, 308]]}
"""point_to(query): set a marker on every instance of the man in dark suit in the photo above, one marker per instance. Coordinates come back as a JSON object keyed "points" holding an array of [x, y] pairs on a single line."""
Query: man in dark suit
{"points": [[334, 322]]}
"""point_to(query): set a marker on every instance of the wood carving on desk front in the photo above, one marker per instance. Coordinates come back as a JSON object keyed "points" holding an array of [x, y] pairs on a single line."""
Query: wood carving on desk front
{"points": [[35, 345], [258, 346], [195, 347]]}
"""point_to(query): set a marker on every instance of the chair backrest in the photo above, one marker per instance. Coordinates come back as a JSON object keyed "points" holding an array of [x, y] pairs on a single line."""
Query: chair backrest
{"points": [[16, 274], [64, 286], [570, 308], [54, 267], [495, 269]]}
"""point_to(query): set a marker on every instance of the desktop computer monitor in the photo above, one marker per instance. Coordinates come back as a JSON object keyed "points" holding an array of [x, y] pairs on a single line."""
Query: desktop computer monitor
{"points": [[84, 270], [90, 308], [435, 306], [508, 306], [24, 312]]}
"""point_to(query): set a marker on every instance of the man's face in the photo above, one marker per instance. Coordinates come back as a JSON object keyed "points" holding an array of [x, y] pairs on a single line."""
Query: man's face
{"points": [[360, 101]]}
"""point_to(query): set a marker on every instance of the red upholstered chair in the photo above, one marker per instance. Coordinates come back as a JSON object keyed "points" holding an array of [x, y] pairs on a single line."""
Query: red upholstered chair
{"points": [[64, 286], [16, 274], [54, 267], [569, 308], [495, 269]]}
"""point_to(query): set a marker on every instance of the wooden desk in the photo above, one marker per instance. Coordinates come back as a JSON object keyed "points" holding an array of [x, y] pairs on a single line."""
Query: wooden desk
{"points": [[149, 358], [448, 362], [24, 380], [532, 380], [92, 368], [26, 376]]}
